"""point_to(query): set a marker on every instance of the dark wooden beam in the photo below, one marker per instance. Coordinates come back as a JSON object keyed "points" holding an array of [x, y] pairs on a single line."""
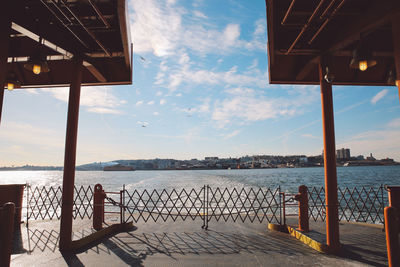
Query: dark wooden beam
{"points": [[70, 157], [270, 33], [125, 32], [396, 47], [5, 30]]}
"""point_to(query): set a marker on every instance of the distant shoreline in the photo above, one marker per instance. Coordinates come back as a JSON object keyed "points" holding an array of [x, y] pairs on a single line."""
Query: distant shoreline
{"points": [[36, 168]]}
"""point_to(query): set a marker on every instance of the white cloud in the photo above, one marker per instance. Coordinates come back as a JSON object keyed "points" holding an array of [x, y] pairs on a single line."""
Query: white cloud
{"points": [[178, 95], [159, 93], [163, 101], [199, 14], [104, 110], [310, 136], [383, 143], [155, 113], [161, 29], [394, 123], [248, 105], [232, 134], [97, 99], [379, 96], [139, 103], [150, 102]]}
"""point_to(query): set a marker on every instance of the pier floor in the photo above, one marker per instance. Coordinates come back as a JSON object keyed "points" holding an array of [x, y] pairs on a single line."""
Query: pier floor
{"points": [[187, 244]]}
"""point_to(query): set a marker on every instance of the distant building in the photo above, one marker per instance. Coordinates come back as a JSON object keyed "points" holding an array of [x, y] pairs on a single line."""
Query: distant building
{"points": [[343, 153], [371, 157], [211, 158]]}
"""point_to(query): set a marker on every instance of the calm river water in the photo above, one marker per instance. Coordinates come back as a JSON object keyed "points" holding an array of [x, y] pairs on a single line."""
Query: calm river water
{"points": [[288, 179]]}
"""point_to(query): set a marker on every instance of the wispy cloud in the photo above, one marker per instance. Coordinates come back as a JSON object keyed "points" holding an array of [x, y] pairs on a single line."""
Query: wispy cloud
{"points": [[248, 105], [139, 103], [100, 99], [232, 134], [310, 136], [161, 28], [379, 96]]}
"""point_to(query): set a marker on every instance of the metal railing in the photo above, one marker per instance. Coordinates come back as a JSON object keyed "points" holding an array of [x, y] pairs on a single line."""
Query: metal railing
{"points": [[45, 202], [206, 204], [365, 204]]}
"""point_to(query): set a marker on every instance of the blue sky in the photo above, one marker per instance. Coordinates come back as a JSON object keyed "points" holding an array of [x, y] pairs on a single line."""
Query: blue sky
{"points": [[201, 89]]}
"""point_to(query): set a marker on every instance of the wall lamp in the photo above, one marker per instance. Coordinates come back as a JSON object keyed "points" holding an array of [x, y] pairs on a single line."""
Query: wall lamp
{"points": [[12, 81]]}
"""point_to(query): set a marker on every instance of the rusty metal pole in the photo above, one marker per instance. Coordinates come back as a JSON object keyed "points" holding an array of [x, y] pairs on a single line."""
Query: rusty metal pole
{"points": [[98, 207], [5, 29], [396, 47], [70, 156], [392, 236], [303, 209], [7, 233], [331, 196]]}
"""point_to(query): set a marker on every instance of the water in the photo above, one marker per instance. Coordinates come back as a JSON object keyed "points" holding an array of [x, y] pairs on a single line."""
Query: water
{"points": [[288, 179]]}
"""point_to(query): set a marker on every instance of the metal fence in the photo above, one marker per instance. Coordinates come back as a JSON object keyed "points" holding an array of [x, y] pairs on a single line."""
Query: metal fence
{"points": [[45, 202], [365, 204], [205, 203]]}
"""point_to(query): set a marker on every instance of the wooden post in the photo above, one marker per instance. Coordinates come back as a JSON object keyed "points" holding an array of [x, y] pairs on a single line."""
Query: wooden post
{"points": [[5, 29], [70, 156], [7, 232], [396, 47], [331, 197], [392, 236]]}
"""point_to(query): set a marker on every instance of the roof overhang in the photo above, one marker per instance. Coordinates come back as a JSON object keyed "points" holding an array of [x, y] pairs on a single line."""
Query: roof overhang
{"points": [[300, 32], [95, 30]]}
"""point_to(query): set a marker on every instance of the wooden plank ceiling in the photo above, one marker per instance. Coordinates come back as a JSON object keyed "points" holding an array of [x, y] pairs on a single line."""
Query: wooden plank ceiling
{"points": [[96, 30], [299, 31]]}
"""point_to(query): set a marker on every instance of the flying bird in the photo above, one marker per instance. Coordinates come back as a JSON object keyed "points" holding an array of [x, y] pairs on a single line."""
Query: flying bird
{"points": [[143, 123]]}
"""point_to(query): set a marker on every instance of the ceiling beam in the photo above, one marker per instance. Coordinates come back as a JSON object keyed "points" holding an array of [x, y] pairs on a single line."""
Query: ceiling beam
{"points": [[64, 53], [376, 16]]}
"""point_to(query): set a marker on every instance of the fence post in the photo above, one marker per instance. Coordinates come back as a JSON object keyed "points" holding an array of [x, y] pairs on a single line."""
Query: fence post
{"points": [[98, 207], [392, 238], [302, 198], [7, 232]]}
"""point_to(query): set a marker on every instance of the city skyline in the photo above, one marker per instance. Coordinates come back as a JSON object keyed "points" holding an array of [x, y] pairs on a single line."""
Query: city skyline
{"points": [[200, 88]]}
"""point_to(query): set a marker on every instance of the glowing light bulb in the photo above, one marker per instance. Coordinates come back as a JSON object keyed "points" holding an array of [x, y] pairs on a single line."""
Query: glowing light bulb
{"points": [[363, 65], [10, 86], [36, 69]]}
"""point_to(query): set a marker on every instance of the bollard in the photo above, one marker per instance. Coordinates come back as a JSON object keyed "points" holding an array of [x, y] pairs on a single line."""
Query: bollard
{"points": [[392, 238], [98, 207], [6, 231], [302, 198]]}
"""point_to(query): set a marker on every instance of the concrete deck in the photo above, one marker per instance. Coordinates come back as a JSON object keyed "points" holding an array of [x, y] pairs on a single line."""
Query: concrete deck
{"points": [[186, 244]]}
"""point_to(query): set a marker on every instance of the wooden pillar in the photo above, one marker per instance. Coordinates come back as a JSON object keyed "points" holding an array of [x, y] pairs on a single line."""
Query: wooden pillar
{"points": [[331, 196], [70, 156], [5, 29], [396, 47]]}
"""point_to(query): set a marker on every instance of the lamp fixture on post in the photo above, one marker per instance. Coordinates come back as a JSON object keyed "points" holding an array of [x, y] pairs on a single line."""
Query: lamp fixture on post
{"points": [[362, 58], [11, 81], [329, 77]]}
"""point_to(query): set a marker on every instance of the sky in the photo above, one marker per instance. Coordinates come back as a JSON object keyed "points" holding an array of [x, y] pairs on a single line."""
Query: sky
{"points": [[200, 88]]}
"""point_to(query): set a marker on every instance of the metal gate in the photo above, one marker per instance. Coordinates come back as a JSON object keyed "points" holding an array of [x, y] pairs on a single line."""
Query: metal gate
{"points": [[205, 203]]}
